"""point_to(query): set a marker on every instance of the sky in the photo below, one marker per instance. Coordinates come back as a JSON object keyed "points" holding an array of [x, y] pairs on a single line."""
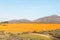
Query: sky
{"points": [[28, 9]]}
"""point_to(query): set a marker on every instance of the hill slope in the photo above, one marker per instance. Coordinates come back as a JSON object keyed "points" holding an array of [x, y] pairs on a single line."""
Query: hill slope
{"points": [[49, 19], [19, 21]]}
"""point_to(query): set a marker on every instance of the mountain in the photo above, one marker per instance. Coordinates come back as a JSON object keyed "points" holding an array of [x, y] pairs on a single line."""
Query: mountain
{"points": [[49, 19], [19, 21]]}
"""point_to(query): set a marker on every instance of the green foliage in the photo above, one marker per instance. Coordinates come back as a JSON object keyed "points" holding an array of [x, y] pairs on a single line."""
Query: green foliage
{"points": [[20, 36], [34, 32], [34, 37], [27, 36], [4, 22], [53, 33]]}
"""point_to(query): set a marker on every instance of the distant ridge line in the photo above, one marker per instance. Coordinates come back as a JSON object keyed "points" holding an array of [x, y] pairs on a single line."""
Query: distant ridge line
{"points": [[47, 19]]}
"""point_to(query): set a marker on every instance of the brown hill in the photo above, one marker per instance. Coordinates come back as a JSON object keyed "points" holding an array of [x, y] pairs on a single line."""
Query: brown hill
{"points": [[19, 21], [49, 19]]}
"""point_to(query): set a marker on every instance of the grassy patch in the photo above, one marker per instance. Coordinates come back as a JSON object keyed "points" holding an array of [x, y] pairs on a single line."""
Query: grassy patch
{"points": [[34, 37]]}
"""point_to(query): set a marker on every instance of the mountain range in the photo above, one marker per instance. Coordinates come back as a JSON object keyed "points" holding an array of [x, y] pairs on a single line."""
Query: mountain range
{"points": [[47, 19]]}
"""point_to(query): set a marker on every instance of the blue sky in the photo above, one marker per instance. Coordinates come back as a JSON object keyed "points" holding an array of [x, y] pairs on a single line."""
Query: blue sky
{"points": [[28, 9]]}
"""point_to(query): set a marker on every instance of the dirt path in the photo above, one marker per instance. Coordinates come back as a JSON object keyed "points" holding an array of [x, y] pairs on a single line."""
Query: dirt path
{"points": [[44, 36], [40, 35]]}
